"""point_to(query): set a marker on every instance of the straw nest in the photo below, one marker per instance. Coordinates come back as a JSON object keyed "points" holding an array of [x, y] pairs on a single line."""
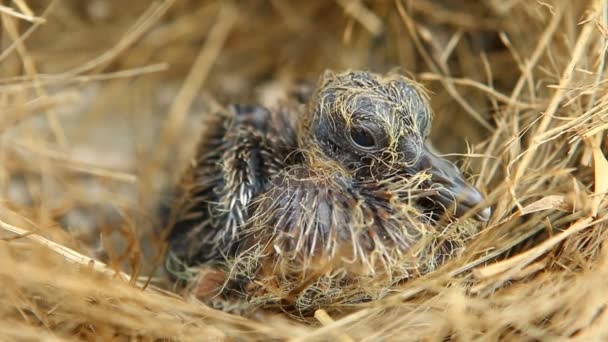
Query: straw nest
{"points": [[102, 104]]}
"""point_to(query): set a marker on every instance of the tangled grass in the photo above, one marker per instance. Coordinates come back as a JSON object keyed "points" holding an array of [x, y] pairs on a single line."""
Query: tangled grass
{"points": [[101, 103]]}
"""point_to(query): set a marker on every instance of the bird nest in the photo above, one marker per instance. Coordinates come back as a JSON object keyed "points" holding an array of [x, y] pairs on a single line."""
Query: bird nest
{"points": [[102, 107]]}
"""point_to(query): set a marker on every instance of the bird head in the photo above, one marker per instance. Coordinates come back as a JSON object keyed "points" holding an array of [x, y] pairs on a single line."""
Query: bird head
{"points": [[375, 127]]}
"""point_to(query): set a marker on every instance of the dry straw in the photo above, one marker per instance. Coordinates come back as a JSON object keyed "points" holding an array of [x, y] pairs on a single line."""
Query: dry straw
{"points": [[101, 102]]}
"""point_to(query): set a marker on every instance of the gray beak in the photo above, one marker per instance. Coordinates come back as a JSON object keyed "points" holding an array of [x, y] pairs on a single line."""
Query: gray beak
{"points": [[455, 194]]}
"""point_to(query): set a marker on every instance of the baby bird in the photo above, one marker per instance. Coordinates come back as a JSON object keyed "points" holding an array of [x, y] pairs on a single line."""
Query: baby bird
{"points": [[319, 204]]}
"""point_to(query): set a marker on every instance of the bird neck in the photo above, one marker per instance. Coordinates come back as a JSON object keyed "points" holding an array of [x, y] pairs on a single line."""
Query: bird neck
{"points": [[322, 165]]}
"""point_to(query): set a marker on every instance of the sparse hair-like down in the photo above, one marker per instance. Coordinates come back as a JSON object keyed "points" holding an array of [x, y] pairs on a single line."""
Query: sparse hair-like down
{"points": [[299, 223]]}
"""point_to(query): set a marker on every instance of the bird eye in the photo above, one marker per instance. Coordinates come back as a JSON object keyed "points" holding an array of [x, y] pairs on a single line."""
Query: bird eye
{"points": [[362, 137]]}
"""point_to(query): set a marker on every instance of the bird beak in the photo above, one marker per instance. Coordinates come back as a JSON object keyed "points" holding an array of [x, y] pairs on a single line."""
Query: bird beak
{"points": [[455, 193]]}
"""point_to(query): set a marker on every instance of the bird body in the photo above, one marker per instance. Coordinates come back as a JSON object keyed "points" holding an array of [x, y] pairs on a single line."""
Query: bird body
{"points": [[322, 203]]}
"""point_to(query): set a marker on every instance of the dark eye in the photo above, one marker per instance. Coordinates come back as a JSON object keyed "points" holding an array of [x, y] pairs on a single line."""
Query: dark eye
{"points": [[362, 137]]}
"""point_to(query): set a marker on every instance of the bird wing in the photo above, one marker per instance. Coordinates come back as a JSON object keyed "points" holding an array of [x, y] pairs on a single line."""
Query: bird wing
{"points": [[234, 161]]}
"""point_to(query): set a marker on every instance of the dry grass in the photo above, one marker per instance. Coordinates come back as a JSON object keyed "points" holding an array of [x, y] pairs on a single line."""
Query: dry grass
{"points": [[101, 103]]}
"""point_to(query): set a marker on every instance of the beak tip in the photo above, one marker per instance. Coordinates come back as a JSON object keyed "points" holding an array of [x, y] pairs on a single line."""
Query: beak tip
{"points": [[484, 215], [455, 192]]}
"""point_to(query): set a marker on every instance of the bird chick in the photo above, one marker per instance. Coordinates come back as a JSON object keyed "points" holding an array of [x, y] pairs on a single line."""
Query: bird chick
{"points": [[319, 204]]}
